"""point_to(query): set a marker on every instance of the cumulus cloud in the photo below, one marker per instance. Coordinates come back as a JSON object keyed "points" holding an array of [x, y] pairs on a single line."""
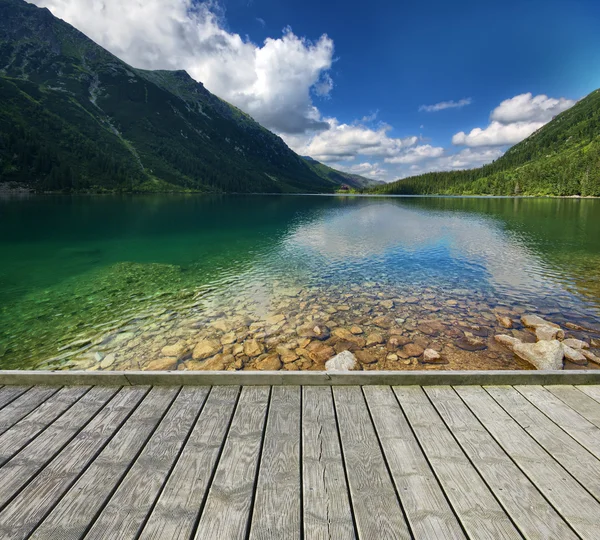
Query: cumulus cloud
{"points": [[342, 142], [416, 154], [446, 105], [514, 120], [370, 170], [274, 82]]}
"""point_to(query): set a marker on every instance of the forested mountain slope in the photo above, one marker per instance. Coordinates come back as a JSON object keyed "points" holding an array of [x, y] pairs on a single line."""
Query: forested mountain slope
{"points": [[73, 116], [562, 158]]}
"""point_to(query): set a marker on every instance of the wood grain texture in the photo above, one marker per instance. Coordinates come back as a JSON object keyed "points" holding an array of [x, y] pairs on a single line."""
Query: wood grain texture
{"points": [[30, 460], [476, 507], [229, 502], [126, 512], [529, 510], [578, 401], [177, 509], [591, 390], [277, 503], [38, 497], [81, 504], [581, 429], [10, 393], [23, 405], [568, 452], [327, 512], [426, 507], [578, 508], [20, 434], [376, 507]]}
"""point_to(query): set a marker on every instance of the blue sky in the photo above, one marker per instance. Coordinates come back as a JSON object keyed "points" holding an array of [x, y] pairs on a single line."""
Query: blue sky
{"points": [[345, 81]]}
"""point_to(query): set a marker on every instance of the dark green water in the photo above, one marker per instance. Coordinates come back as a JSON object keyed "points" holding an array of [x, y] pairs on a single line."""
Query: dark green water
{"points": [[72, 267]]}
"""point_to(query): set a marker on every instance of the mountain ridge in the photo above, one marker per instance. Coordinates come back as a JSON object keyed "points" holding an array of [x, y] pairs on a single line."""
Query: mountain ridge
{"points": [[561, 158], [75, 117]]}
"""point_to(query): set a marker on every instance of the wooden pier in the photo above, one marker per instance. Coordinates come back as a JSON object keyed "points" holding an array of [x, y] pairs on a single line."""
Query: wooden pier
{"points": [[228, 456]]}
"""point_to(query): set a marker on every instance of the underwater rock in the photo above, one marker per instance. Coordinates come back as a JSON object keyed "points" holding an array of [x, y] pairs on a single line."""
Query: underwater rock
{"points": [[269, 362], [544, 355], [576, 344], [590, 356], [162, 364], [431, 356], [177, 350], [413, 350], [468, 343], [206, 349], [374, 338], [504, 321], [344, 361], [253, 348]]}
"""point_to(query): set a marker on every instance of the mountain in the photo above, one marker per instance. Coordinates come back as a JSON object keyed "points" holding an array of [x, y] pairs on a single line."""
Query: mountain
{"points": [[74, 116], [562, 158], [339, 177]]}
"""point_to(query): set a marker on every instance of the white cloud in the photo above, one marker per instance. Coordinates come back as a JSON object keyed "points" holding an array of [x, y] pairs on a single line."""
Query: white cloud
{"points": [[526, 108], [446, 105], [370, 170], [273, 82], [416, 154], [513, 120], [342, 142]]}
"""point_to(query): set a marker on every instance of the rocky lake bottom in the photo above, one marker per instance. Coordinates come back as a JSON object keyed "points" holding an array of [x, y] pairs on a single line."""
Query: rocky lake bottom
{"points": [[289, 283]]}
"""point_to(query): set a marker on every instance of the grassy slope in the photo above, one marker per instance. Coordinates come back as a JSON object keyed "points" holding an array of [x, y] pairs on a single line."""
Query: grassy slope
{"points": [[73, 116], [562, 158]]}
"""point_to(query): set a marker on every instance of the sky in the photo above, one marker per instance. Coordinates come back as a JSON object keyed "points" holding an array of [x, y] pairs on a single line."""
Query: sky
{"points": [[386, 88]]}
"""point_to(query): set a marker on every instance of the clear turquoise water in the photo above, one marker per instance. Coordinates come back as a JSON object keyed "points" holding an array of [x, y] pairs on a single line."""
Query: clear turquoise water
{"points": [[73, 266]]}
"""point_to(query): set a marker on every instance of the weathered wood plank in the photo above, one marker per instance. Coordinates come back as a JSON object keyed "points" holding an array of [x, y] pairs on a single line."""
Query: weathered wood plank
{"points": [[38, 497], [229, 501], [568, 452], [31, 459], [426, 507], [38, 420], [586, 406], [10, 393], [125, 514], [377, 511], [81, 504], [327, 512], [277, 503], [592, 390], [583, 431], [180, 502], [23, 405], [529, 510], [476, 507], [573, 502]]}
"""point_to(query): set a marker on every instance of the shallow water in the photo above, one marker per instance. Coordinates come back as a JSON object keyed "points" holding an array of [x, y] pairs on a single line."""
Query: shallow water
{"points": [[85, 278]]}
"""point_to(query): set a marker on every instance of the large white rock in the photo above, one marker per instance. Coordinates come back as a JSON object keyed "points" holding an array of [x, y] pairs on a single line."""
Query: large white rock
{"points": [[345, 361], [543, 355], [545, 332]]}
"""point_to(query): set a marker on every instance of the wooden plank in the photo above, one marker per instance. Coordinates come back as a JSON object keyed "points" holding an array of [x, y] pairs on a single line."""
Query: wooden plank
{"points": [[476, 507], [426, 507], [327, 512], [569, 498], [586, 406], [377, 511], [277, 506], [78, 509], [568, 452], [30, 460], [125, 513], [583, 431], [37, 421], [529, 510], [297, 378], [38, 497], [592, 390], [23, 405], [180, 502], [10, 393], [229, 501]]}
